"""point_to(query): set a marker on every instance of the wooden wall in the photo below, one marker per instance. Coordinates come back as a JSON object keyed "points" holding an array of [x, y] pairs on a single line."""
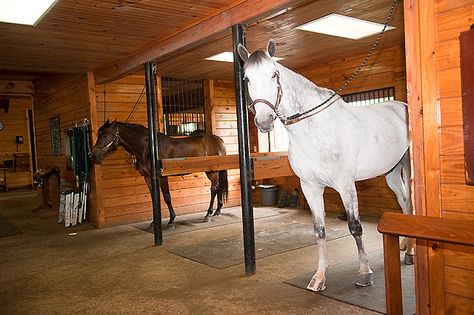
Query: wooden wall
{"points": [[444, 277], [125, 195], [224, 124], [16, 124], [65, 96], [457, 198]]}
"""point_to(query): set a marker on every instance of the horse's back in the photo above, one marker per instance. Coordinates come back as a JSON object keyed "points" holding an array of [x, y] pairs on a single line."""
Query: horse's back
{"points": [[200, 143]]}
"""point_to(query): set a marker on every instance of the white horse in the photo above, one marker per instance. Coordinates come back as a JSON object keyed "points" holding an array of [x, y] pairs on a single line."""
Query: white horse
{"points": [[331, 146]]}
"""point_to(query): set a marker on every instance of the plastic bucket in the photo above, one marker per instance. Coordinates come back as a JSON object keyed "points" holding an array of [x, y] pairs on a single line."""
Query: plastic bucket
{"points": [[269, 194]]}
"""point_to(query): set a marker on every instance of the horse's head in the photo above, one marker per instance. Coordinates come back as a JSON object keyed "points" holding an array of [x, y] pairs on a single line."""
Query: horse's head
{"points": [[107, 141], [263, 83]]}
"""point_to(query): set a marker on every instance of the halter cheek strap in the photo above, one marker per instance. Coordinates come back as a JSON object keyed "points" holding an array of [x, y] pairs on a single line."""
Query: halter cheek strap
{"points": [[115, 141], [275, 106]]}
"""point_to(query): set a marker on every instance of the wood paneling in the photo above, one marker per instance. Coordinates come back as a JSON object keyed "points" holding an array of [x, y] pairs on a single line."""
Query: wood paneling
{"points": [[16, 124], [437, 69], [125, 195], [16, 87], [66, 96]]}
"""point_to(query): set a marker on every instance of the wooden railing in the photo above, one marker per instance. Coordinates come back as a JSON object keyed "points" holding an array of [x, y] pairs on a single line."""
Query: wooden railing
{"points": [[394, 225], [265, 165]]}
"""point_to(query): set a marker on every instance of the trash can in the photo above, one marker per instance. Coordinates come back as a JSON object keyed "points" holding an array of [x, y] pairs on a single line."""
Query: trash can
{"points": [[269, 194]]}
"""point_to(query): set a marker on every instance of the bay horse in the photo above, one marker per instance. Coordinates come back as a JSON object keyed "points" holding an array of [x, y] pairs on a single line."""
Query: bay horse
{"points": [[333, 146], [134, 138]]}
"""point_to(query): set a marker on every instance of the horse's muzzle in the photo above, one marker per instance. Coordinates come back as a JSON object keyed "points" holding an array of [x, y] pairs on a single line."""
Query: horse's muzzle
{"points": [[265, 126], [97, 156]]}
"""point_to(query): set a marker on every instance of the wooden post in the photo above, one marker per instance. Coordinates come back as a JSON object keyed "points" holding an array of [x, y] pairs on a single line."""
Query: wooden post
{"points": [[159, 104], [423, 106], [96, 210], [393, 277], [208, 98]]}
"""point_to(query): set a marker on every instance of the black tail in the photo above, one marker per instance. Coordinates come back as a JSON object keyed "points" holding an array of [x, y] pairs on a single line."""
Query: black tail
{"points": [[224, 185]]}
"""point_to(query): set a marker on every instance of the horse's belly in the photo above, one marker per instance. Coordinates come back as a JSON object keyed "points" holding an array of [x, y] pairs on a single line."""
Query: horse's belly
{"points": [[378, 160]]}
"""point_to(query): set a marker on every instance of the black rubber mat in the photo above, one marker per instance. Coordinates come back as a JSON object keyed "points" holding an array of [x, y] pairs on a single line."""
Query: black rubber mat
{"points": [[340, 285], [7, 228], [269, 240]]}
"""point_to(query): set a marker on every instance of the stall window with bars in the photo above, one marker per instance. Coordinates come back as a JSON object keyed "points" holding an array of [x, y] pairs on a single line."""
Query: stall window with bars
{"points": [[370, 97], [183, 106]]}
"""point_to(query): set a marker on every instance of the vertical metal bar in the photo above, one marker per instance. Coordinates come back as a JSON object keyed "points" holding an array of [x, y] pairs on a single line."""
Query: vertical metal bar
{"points": [[238, 37], [153, 143]]}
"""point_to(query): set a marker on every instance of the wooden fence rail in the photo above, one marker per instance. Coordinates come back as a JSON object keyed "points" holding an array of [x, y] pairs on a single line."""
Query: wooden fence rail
{"points": [[265, 165], [394, 225]]}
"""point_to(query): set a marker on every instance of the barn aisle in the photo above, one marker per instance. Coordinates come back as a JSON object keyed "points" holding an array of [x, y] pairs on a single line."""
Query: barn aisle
{"points": [[48, 269]]}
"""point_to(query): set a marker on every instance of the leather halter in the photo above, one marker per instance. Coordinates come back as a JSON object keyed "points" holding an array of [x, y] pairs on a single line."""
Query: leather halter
{"points": [[288, 120], [115, 141], [275, 106]]}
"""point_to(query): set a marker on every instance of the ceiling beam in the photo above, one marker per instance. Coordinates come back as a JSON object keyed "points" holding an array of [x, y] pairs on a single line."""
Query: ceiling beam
{"points": [[246, 12]]}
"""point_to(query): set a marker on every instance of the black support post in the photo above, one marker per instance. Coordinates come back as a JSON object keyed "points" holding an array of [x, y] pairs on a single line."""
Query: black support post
{"points": [[238, 36], [153, 139]]}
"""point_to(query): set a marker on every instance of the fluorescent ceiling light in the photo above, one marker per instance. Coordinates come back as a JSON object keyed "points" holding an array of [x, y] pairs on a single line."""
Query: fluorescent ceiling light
{"points": [[344, 26], [228, 56], [225, 56], [27, 12]]}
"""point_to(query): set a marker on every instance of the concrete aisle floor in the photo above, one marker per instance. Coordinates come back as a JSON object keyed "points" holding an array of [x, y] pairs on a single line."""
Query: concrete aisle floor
{"points": [[117, 270]]}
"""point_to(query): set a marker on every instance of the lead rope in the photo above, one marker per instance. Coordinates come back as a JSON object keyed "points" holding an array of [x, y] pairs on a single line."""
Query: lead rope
{"points": [[300, 116], [115, 138]]}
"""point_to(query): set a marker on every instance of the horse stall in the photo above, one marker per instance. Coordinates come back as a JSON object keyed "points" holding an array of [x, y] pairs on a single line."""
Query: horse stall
{"points": [[423, 57]]}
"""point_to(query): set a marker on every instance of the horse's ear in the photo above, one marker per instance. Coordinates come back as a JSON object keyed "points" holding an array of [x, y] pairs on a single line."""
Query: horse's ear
{"points": [[107, 122], [243, 52], [271, 48]]}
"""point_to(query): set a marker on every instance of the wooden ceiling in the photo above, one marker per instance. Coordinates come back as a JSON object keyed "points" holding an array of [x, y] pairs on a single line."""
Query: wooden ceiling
{"points": [[77, 36]]}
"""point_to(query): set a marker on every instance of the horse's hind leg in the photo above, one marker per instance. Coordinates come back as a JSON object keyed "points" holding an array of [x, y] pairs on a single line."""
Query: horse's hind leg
{"points": [[349, 199], [214, 181], [314, 196], [399, 182]]}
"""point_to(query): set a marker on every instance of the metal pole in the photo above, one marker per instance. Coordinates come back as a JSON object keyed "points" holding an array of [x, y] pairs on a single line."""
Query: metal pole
{"points": [[153, 143], [238, 36]]}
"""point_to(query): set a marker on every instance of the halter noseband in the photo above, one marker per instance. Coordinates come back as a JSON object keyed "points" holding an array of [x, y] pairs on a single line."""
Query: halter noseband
{"points": [[115, 141], [275, 106]]}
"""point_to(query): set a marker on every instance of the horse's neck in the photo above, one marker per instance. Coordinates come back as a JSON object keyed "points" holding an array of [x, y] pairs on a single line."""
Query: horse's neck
{"points": [[134, 142], [300, 95]]}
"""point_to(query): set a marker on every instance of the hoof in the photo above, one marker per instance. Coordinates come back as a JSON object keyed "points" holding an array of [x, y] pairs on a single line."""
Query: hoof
{"points": [[316, 285], [171, 226], [409, 259], [403, 244], [216, 213], [365, 280], [207, 218]]}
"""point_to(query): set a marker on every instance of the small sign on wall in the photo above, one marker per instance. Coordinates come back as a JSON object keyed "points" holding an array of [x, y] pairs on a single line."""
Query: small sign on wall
{"points": [[55, 135]]}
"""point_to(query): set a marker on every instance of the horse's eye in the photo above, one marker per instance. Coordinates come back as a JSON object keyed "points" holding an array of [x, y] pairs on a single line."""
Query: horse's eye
{"points": [[274, 74], [246, 79]]}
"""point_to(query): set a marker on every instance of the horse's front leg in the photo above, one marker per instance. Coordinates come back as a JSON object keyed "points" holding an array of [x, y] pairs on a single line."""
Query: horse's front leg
{"points": [[165, 190], [349, 198], [314, 196]]}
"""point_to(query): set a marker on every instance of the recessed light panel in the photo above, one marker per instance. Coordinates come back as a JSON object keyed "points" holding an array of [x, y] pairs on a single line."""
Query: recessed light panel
{"points": [[228, 56], [343, 26], [27, 12]]}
